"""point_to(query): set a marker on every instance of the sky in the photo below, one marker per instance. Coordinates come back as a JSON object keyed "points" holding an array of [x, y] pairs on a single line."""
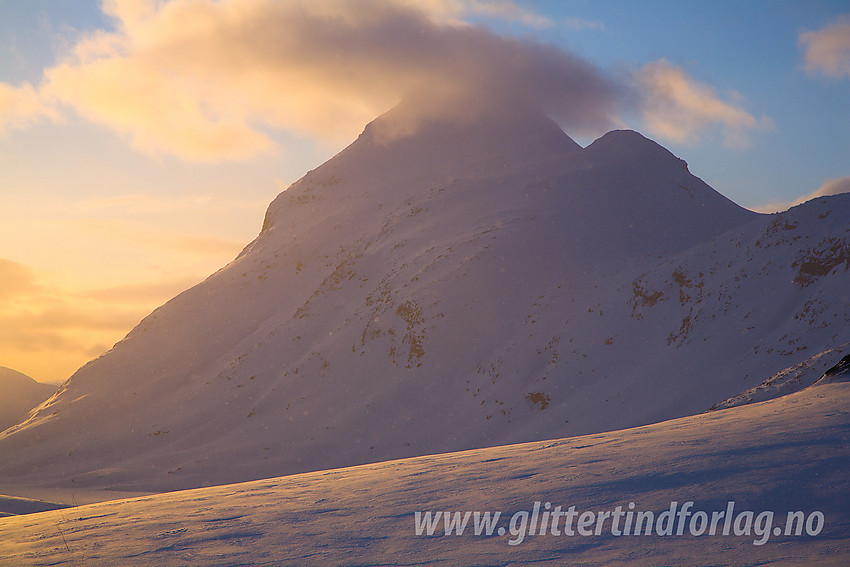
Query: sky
{"points": [[142, 140]]}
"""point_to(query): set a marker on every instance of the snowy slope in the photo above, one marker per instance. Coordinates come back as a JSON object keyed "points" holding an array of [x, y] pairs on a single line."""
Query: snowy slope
{"points": [[785, 455], [468, 285], [787, 380], [775, 293], [20, 394], [14, 505]]}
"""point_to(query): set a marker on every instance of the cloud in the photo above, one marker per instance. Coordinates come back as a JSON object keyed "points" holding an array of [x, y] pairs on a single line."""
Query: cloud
{"points": [[210, 80], [454, 11], [827, 50], [174, 207], [134, 235], [678, 108], [47, 330], [30, 303], [137, 204], [154, 110], [146, 292], [829, 187], [578, 24], [15, 278], [22, 106]]}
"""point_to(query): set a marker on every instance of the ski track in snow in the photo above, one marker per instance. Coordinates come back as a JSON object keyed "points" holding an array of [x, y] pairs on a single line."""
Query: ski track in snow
{"points": [[782, 455]]}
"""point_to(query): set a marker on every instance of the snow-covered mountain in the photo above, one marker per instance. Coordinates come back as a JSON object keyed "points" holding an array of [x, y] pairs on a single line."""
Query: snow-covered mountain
{"points": [[769, 460], [461, 285], [20, 394]]}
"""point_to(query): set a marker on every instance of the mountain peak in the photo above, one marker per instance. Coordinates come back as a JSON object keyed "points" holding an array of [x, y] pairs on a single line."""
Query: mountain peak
{"points": [[509, 133], [517, 120], [478, 273], [628, 145], [411, 146]]}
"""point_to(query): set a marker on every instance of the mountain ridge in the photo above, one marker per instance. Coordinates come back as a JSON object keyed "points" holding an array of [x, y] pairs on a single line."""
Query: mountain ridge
{"points": [[399, 303]]}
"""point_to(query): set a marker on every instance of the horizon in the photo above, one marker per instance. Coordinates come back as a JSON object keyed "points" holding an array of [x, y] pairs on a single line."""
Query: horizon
{"points": [[124, 205]]}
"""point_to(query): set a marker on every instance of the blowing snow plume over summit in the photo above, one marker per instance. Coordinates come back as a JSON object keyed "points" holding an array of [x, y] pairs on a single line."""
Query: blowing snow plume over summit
{"points": [[200, 80]]}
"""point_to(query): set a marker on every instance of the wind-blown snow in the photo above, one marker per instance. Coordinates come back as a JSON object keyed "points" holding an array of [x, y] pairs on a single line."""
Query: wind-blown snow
{"points": [[785, 455]]}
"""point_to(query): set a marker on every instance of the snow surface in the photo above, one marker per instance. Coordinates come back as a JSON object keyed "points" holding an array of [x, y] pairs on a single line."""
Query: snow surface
{"points": [[15, 505], [467, 286], [788, 454], [788, 380]]}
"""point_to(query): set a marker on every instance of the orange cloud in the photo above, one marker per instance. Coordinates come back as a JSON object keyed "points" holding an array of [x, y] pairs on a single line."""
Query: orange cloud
{"points": [[829, 187], [22, 106], [146, 292], [54, 319], [41, 327], [14, 278], [104, 241], [210, 80], [827, 50], [155, 111], [47, 331], [137, 236], [678, 108]]}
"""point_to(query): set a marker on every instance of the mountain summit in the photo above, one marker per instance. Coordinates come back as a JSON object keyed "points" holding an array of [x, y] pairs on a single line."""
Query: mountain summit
{"points": [[442, 285]]}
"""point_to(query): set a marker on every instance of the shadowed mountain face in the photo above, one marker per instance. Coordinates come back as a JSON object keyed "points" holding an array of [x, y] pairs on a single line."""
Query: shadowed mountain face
{"points": [[444, 287]]}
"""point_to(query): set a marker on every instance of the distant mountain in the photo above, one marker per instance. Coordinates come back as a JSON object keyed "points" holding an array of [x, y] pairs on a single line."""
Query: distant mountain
{"points": [[20, 394], [454, 286]]}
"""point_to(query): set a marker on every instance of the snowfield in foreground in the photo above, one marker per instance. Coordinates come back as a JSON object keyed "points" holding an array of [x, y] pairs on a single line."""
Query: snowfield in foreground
{"points": [[786, 455]]}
